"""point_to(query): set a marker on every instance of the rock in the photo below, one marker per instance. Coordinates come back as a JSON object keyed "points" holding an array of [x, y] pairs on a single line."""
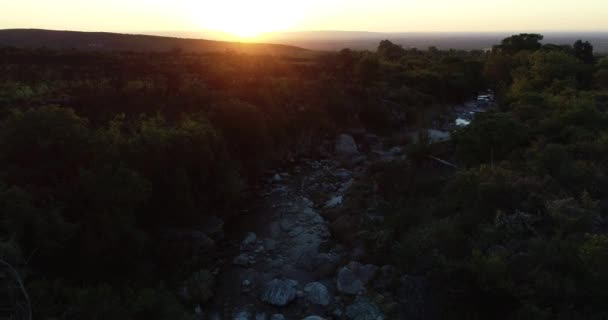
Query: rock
{"points": [[214, 316], [343, 174], [358, 253], [259, 249], [346, 146], [249, 239], [313, 318], [438, 136], [395, 151], [246, 286], [270, 244], [277, 317], [363, 309], [242, 315], [353, 278], [338, 313], [279, 292], [241, 260], [277, 178], [317, 293], [287, 224], [261, 316], [334, 202]]}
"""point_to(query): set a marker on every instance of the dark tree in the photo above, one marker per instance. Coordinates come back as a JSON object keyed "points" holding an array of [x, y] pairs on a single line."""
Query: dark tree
{"points": [[584, 51], [520, 42], [390, 51]]}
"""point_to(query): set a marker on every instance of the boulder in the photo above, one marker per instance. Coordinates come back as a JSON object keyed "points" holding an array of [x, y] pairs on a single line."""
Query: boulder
{"points": [[242, 315], [279, 292], [241, 260], [346, 146], [249, 239], [353, 278], [261, 316], [343, 174], [317, 293], [363, 309], [334, 202], [277, 178]]}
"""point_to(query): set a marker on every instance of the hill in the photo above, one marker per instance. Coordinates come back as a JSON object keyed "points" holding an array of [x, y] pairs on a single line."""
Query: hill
{"points": [[103, 41]]}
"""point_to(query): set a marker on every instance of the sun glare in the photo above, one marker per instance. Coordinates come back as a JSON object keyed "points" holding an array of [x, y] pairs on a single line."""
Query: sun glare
{"points": [[247, 19]]}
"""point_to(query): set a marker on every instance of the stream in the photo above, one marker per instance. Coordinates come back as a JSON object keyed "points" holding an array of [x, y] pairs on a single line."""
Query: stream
{"points": [[285, 262]]}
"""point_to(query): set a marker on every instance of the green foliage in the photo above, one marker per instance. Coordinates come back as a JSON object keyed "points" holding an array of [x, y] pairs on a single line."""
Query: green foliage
{"points": [[519, 231], [490, 138], [520, 42]]}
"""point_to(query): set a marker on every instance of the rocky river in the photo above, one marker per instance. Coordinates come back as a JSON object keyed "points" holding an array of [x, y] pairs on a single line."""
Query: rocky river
{"points": [[285, 260]]}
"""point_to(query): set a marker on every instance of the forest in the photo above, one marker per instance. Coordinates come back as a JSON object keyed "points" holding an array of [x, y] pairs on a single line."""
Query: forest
{"points": [[109, 160]]}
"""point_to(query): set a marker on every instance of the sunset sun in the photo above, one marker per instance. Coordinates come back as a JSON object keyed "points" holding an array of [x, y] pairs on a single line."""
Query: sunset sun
{"points": [[247, 19]]}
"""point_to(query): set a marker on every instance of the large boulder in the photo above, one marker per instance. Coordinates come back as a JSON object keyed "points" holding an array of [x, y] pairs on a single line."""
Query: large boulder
{"points": [[317, 293], [279, 292], [346, 146], [353, 278], [363, 309]]}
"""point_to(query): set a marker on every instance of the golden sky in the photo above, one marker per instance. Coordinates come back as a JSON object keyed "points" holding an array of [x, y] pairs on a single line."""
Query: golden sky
{"points": [[251, 17]]}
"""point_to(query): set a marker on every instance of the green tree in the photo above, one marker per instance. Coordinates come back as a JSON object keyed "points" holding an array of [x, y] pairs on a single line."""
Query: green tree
{"points": [[520, 42], [390, 51], [584, 51]]}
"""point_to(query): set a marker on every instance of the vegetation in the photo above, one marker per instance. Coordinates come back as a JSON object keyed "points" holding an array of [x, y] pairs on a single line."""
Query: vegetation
{"points": [[519, 231], [104, 154]]}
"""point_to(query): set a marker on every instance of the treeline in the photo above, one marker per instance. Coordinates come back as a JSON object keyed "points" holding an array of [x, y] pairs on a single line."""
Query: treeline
{"points": [[520, 230], [101, 154]]}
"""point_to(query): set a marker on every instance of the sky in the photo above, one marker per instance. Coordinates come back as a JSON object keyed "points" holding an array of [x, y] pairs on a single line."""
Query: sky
{"points": [[248, 18]]}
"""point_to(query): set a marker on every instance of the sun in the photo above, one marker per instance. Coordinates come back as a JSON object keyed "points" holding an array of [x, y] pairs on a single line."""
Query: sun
{"points": [[247, 19]]}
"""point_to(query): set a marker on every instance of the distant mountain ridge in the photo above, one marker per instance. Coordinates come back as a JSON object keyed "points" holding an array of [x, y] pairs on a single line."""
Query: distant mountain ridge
{"points": [[362, 40], [105, 41], [276, 43]]}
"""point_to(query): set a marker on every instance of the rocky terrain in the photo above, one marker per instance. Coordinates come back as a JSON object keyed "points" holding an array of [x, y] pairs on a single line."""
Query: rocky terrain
{"points": [[295, 258]]}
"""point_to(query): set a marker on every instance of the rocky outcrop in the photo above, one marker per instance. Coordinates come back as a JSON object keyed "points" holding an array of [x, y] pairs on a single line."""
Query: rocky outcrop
{"points": [[354, 278], [279, 292], [346, 146]]}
